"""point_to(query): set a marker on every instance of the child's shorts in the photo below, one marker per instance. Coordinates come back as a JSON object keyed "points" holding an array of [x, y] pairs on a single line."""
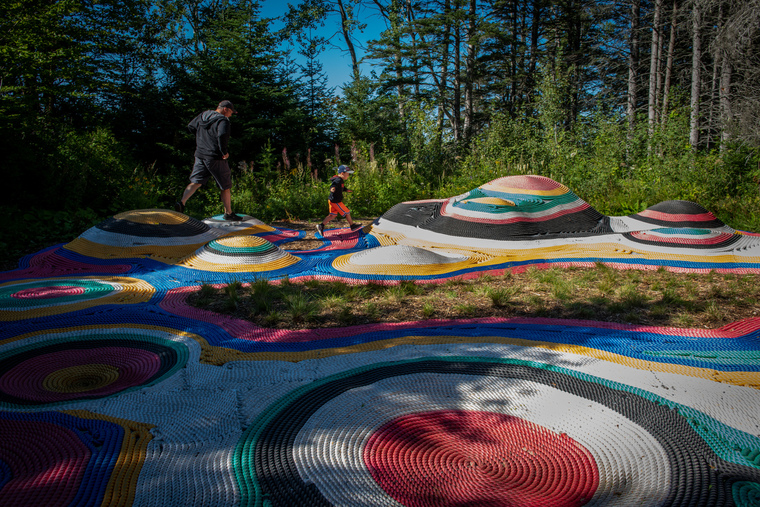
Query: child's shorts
{"points": [[338, 208]]}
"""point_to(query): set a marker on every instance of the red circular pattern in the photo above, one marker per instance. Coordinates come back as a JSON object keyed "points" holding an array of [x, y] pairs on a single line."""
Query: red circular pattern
{"points": [[454, 457], [54, 291]]}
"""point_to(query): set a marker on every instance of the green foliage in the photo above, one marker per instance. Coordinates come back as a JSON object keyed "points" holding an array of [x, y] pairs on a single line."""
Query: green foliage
{"points": [[380, 185], [205, 295], [88, 169], [274, 196], [31, 229], [370, 115]]}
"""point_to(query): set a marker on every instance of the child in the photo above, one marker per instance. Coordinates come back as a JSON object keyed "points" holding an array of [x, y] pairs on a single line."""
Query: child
{"points": [[335, 200]]}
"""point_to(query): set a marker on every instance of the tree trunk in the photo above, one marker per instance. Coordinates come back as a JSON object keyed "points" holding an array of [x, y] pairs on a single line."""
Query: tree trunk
{"points": [[696, 67], [633, 67], [714, 98], [514, 97], [669, 65], [457, 105], [573, 59], [725, 99], [714, 101], [534, 39], [654, 66], [344, 24], [443, 92], [400, 80], [469, 107], [415, 56]]}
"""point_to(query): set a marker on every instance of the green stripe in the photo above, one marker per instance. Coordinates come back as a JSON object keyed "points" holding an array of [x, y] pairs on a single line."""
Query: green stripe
{"points": [[93, 288], [712, 357], [267, 246]]}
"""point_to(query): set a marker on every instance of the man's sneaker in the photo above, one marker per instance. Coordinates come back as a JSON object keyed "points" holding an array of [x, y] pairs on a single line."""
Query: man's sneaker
{"points": [[232, 217], [356, 226], [178, 206], [321, 229]]}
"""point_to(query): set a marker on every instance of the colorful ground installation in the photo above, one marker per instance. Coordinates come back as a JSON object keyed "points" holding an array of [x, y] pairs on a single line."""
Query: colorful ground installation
{"points": [[115, 391]]}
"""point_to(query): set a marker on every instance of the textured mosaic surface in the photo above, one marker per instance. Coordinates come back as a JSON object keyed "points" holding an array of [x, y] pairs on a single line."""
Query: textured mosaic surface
{"points": [[115, 391]]}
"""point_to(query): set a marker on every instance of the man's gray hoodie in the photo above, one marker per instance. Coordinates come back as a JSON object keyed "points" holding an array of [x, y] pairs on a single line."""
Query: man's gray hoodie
{"points": [[212, 134]]}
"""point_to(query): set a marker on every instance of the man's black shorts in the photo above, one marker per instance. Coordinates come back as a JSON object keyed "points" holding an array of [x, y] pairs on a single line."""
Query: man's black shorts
{"points": [[204, 169]]}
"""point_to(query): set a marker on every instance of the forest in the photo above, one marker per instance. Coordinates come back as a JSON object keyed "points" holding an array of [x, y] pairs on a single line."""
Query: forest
{"points": [[628, 103]]}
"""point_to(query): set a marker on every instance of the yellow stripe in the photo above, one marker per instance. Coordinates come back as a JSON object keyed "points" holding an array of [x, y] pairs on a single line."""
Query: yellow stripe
{"points": [[748, 379], [122, 484], [343, 264], [250, 230], [491, 200], [562, 190], [153, 217], [247, 241], [196, 262], [166, 254]]}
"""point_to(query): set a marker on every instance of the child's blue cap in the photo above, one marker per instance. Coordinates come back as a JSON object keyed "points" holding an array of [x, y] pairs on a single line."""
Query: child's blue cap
{"points": [[344, 169]]}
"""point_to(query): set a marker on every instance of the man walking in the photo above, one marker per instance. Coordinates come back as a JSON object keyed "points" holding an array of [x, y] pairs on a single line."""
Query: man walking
{"points": [[212, 135]]}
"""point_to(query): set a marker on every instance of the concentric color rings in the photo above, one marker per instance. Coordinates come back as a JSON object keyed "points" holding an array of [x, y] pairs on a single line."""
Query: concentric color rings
{"points": [[545, 430], [281, 447], [49, 292], [38, 298], [41, 293], [239, 254], [79, 367], [154, 223]]}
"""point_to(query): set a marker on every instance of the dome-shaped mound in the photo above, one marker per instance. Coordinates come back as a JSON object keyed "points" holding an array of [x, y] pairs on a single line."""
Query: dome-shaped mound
{"points": [[679, 214], [403, 260], [152, 223], [404, 254], [706, 239], [163, 233], [505, 209], [239, 254]]}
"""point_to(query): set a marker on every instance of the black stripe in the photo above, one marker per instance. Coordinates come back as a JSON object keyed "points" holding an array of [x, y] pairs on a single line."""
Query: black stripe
{"points": [[727, 242], [191, 227]]}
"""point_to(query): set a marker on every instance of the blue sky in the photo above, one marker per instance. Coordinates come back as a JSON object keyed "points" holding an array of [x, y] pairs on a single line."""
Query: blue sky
{"points": [[336, 61]]}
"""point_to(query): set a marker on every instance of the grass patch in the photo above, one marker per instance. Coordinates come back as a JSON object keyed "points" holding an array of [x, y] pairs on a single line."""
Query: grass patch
{"points": [[500, 296], [655, 297]]}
